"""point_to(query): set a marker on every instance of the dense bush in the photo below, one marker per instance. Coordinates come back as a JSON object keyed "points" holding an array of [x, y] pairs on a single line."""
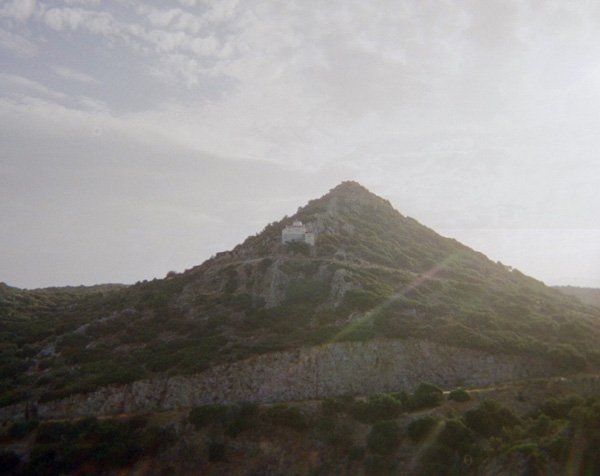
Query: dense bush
{"points": [[216, 451], [451, 453], [94, 446], [9, 462], [566, 357], [557, 408], [459, 395], [379, 406], [420, 428], [383, 437], [290, 417], [374, 465], [427, 395], [489, 418], [298, 248], [241, 417], [21, 429], [337, 404], [356, 453], [206, 414]]}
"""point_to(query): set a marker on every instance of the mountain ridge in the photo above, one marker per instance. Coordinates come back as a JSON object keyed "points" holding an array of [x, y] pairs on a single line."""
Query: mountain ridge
{"points": [[373, 273]]}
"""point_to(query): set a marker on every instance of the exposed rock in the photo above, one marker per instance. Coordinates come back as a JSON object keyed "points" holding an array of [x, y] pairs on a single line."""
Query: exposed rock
{"points": [[308, 373], [339, 286], [275, 283]]}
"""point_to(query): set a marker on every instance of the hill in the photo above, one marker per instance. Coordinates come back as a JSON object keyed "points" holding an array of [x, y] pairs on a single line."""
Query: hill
{"points": [[589, 296], [372, 274]]}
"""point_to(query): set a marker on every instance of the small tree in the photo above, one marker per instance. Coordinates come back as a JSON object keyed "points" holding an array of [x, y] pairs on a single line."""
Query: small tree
{"points": [[384, 437], [421, 427], [427, 395], [489, 418], [379, 406], [459, 395]]}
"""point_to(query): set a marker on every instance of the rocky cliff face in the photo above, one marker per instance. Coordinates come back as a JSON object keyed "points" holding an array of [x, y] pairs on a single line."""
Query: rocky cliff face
{"points": [[316, 372]]}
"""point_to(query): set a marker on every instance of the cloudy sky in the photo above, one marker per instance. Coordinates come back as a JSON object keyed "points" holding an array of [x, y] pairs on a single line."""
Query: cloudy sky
{"points": [[139, 137]]}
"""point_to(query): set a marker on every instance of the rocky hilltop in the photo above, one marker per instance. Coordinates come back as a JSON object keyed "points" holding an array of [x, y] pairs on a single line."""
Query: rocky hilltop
{"points": [[373, 279]]}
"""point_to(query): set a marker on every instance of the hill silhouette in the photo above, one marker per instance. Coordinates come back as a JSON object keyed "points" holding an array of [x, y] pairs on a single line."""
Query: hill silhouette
{"points": [[372, 273]]}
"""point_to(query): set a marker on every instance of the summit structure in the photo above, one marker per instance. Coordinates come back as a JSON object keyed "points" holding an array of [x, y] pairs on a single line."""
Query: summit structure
{"points": [[297, 232]]}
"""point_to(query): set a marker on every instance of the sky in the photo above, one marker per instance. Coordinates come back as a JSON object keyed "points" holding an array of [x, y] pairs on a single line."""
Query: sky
{"points": [[142, 137]]}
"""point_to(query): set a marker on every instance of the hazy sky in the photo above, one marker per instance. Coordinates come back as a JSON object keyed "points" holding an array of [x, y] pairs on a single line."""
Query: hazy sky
{"points": [[139, 137]]}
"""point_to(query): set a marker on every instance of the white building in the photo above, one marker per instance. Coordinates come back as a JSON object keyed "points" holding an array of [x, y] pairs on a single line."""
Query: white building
{"points": [[297, 233]]}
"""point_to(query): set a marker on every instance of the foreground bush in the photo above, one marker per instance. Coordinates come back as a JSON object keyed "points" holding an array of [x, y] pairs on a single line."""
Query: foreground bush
{"points": [[374, 465], [206, 414], [459, 395], [420, 428], [379, 406], [9, 461], [384, 437], [427, 395], [489, 418], [290, 417]]}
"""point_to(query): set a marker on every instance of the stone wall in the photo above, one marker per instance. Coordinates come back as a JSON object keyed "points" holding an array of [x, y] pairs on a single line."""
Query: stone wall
{"points": [[315, 372]]}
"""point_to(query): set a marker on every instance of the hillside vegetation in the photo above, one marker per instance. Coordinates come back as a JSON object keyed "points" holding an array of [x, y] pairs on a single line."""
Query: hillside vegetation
{"points": [[536, 428], [589, 296], [372, 274]]}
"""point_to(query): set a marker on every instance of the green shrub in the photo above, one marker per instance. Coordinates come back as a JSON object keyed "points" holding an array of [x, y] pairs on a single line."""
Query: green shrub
{"points": [[560, 408], [374, 464], [65, 448], [420, 428], [379, 406], [459, 395], [206, 414], [339, 435], [438, 460], [451, 452], [216, 451], [12, 396], [383, 437], [50, 432], [9, 461], [298, 248], [540, 426], [489, 418], [21, 429], [290, 417], [454, 434], [155, 439], [404, 398], [241, 417], [427, 395], [356, 453], [43, 460], [567, 357]]}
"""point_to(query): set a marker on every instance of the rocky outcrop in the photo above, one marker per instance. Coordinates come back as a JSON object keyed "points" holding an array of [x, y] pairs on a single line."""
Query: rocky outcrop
{"points": [[275, 285], [315, 372]]}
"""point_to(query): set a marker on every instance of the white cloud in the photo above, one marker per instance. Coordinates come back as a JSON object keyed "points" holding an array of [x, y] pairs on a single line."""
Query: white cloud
{"points": [[26, 86], [159, 18], [70, 74], [87, 3], [20, 10], [100, 23], [17, 43]]}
